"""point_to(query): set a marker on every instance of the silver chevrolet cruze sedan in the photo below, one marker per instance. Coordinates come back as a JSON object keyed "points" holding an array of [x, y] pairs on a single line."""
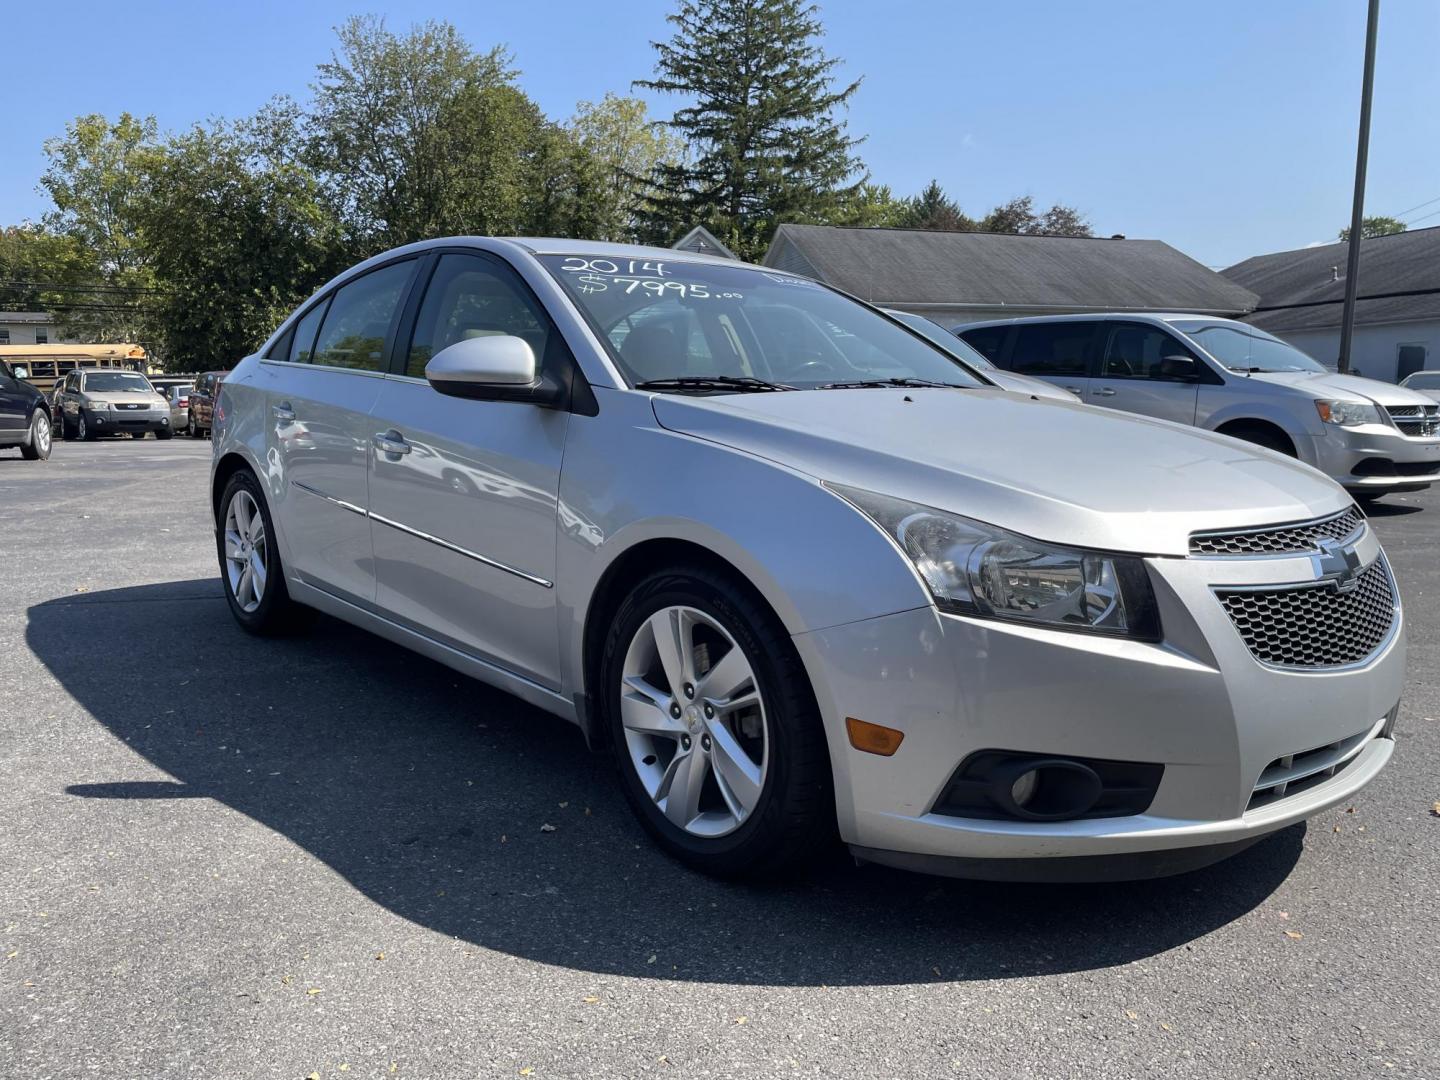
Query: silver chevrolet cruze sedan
{"points": [[801, 571]]}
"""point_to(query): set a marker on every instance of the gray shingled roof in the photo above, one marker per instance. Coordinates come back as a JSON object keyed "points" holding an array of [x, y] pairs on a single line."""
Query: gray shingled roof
{"points": [[992, 270], [1299, 290]]}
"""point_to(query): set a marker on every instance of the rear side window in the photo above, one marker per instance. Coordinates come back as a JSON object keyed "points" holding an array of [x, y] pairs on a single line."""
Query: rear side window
{"points": [[1051, 349], [354, 330], [988, 341]]}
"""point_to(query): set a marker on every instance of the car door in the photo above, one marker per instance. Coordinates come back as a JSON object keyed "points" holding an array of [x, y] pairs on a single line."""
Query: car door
{"points": [[463, 493], [1059, 352], [320, 383], [14, 399], [1143, 370]]}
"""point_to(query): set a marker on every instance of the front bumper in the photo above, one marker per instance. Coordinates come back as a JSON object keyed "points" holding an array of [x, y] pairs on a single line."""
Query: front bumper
{"points": [[1199, 703], [126, 422], [1377, 458]]}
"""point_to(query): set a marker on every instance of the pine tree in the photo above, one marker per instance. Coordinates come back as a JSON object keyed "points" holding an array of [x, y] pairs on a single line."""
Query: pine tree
{"points": [[765, 145], [933, 209]]}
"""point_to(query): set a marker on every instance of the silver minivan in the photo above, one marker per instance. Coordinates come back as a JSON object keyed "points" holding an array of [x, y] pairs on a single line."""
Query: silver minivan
{"points": [[1222, 375], [800, 572]]}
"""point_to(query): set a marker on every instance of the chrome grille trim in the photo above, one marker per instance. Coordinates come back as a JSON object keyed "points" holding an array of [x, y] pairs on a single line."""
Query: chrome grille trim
{"points": [[1300, 538], [1314, 626], [1415, 421]]}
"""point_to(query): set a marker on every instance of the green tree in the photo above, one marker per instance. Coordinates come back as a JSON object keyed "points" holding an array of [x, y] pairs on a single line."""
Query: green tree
{"points": [[933, 209], [1020, 216], [627, 148], [419, 136], [93, 178], [764, 142], [873, 206], [236, 233], [1378, 225], [44, 271]]}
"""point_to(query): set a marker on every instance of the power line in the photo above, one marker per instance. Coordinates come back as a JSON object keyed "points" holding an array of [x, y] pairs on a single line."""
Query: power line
{"points": [[1421, 206], [14, 283]]}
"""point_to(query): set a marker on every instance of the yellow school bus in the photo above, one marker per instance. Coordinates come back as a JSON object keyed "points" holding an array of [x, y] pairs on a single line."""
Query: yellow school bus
{"points": [[45, 365]]}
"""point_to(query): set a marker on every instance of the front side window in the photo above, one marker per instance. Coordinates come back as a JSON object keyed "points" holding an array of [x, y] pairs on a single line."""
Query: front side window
{"points": [[1142, 351], [113, 381], [1049, 350], [470, 296], [353, 332], [1246, 349], [665, 319]]}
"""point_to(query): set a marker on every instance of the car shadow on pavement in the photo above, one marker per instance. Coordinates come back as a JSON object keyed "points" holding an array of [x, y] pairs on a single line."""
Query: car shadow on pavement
{"points": [[430, 794]]}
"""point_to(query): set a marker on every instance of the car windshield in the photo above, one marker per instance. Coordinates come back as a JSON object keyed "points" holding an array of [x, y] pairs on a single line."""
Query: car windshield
{"points": [[944, 338], [1424, 380], [117, 380], [711, 328], [1246, 349]]}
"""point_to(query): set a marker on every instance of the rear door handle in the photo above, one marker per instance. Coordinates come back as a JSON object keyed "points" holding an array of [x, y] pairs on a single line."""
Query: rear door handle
{"points": [[1104, 391], [284, 413], [391, 442]]}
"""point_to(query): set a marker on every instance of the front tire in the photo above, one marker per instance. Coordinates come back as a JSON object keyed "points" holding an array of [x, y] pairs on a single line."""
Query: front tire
{"points": [[250, 567], [714, 726], [164, 433], [38, 448], [83, 431]]}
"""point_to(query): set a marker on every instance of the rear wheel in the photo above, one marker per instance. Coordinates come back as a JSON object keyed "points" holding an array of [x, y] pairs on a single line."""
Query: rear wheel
{"points": [[714, 726], [38, 448], [250, 566]]}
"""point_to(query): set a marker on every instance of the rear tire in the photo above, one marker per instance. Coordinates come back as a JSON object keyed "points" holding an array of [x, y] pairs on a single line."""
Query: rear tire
{"points": [[789, 815], [38, 448], [251, 572]]}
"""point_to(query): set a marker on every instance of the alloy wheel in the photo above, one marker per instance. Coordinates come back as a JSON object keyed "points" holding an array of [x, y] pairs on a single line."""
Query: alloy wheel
{"points": [[247, 557], [80, 428], [40, 434], [694, 721]]}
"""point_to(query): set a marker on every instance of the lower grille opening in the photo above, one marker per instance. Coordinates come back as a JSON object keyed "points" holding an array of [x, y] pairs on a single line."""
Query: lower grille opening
{"points": [[1295, 773], [1380, 466], [1052, 787]]}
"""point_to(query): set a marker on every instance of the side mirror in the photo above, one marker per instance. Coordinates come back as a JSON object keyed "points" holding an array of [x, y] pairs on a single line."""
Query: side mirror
{"points": [[1179, 368], [498, 367], [21, 372]]}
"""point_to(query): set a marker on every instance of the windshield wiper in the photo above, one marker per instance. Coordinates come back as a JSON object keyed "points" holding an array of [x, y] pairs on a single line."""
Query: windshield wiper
{"points": [[866, 384], [740, 384]]}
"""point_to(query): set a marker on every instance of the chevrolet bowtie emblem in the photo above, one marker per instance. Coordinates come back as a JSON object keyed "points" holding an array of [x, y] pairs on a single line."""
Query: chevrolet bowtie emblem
{"points": [[1338, 563]]}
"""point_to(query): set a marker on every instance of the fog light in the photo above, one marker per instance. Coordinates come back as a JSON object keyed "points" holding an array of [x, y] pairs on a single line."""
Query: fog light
{"points": [[99, 419], [1023, 790]]}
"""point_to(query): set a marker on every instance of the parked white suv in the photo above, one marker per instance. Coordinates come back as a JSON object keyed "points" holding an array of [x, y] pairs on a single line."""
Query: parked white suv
{"points": [[1373, 437]]}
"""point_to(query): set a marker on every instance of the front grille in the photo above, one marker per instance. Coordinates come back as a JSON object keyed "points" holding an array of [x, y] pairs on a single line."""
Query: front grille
{"points": [[1416, 421], [1315, 625], [1294, 773], [1279, 540]]}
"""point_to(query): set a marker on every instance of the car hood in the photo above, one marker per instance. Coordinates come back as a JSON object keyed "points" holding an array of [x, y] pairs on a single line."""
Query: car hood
{"points": [[1050, 470], [123, 397], [1330, 384], [1024, 384]]}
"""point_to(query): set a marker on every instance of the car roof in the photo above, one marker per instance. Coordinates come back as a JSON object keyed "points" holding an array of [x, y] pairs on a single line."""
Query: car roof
{"points": [[555, 245]]}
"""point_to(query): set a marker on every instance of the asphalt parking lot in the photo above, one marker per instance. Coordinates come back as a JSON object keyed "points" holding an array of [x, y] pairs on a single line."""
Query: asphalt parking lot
{"points": [[226, 857]]}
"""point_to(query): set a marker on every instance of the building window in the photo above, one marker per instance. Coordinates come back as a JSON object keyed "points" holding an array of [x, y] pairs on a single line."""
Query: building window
{"points": [[4, 335], [42, 336]]}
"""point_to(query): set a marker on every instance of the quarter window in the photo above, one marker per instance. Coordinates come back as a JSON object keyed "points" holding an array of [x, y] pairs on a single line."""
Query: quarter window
{"points": [[302, 343], [353, 332], [471, 297], [1051, 349]]}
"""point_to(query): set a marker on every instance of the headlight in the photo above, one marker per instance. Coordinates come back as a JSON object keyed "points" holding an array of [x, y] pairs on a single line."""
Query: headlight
{"points": [[976, 569], [97, 406], [1348, 413]]}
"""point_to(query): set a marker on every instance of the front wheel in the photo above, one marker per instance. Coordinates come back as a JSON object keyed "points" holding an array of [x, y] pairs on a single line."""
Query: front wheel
{"points": [[164, 433], [38, 448], [714, 726], [250, 567], [83, 430]]}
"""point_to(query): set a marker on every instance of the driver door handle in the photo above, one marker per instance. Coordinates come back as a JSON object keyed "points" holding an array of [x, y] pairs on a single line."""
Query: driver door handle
{"points": [[284, 413], [391, 442], [1075, 389], [1105, 391]]}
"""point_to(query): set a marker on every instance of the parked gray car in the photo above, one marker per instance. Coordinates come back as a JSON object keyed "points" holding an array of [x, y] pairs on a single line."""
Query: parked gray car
{"points": [[1423, 382], [178, 398], [800, 572], [1226, 376], [1008, 380], [105, 402]]}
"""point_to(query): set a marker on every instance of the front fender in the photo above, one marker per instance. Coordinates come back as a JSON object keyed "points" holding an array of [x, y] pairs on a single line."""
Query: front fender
{"points": [[814, 558]]}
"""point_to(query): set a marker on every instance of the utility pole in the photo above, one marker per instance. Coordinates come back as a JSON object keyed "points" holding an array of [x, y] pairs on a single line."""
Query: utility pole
{"points": [[1357, 211]]}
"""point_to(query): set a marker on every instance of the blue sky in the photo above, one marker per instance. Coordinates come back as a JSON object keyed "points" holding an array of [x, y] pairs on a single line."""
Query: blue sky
{"points": [[1225, 128]]}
